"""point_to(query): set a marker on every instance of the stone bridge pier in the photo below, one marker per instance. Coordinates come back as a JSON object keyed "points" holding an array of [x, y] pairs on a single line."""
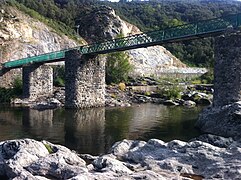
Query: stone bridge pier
{"points": [[84, 80], [224, 116], [37, 80]]}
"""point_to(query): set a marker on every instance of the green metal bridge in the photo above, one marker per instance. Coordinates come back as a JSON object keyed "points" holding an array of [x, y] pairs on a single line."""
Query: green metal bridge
{"points": [[190, 31]]}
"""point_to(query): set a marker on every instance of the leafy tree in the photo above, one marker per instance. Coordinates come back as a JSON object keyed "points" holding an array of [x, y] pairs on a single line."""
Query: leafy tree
{"points": [[117, 67]]}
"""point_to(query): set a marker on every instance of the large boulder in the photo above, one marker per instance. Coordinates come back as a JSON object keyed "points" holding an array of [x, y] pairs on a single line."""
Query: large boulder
{"points": [[216, 158], [223, 121]]}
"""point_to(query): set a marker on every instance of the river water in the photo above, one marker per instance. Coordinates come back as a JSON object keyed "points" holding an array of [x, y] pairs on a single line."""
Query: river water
{"points": [[95, 130]]}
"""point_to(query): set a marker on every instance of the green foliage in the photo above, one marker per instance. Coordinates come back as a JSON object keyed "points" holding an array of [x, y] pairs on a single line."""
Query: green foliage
{"points": [[59, 82], [117, 67], [6, 94], [171, 92], [206, 78], [18, 86], [59, 76], [59, 27], [49, 148]]}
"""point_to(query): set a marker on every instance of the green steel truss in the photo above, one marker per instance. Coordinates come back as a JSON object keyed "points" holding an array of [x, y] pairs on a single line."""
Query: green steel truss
{"points": [[187, 31]]}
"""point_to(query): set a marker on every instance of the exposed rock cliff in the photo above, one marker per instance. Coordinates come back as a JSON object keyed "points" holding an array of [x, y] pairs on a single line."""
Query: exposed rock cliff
{"points": [[22, 36], [102, 23]]}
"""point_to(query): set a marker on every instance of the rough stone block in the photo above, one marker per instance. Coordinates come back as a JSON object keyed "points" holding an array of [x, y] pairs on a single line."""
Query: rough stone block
{"points": [[84, 80], [37, 80]]}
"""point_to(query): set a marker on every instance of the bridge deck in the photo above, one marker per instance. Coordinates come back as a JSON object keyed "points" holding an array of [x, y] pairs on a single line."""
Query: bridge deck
{"points": [[195, 30]]}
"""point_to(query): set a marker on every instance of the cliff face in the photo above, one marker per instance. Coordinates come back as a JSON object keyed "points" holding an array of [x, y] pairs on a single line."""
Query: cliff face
{"points": [[102, 23], [22, 36]]}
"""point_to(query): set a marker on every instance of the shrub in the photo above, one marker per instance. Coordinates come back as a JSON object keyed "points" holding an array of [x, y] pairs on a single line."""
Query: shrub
{"points": [[59, 76], [206, 78], [59, 82], [6, 94], [171, 92], [17, 86], [122, 86], [117, 67]]}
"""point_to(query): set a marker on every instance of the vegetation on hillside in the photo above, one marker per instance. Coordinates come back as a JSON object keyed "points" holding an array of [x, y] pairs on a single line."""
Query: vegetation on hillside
{"points": [[59, 26], [155, 14]]}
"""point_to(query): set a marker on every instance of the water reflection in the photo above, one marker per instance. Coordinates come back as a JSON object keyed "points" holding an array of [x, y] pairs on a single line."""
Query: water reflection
{"points": [[95, 130], [84, 130]]}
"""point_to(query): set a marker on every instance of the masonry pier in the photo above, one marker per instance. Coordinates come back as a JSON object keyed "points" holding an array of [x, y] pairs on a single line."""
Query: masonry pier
{"points": [[224, 116], [84, 80], [37, 80]]}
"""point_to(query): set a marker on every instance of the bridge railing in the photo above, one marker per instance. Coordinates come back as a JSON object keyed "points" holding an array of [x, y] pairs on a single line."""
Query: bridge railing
{"points": [[173, 34], [178, 32], [35, 59]]}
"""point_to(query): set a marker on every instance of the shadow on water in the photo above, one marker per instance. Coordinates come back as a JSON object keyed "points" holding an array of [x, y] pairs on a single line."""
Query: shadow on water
{"points": [[95, 130]]}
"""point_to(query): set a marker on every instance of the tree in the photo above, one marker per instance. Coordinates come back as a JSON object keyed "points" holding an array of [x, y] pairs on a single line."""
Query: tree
{"points": [[117, 67]]}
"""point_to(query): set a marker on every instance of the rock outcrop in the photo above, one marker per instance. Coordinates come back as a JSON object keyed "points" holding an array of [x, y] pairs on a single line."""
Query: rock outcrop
{"points": [[22, 36], [156, 60], [223, 121], [127, 159], [224, 116]]}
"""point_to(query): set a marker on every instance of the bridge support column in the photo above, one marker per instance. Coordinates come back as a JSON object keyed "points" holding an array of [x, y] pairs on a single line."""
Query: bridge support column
{"points": [[224, 116], [37, 80], [84, 80]]}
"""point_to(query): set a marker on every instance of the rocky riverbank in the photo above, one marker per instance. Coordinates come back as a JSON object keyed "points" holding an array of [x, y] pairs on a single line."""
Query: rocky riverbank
{"points": [[206, 157], [140, 90]]}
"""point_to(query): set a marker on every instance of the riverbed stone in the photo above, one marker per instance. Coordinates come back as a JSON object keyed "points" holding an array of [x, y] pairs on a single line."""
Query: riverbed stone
{"points": [[127, 159], [189, 103], [223, 121], [170, 103]]}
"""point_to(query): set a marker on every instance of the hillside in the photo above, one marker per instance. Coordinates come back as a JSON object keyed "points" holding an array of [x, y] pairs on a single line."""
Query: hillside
{"points": [[154, 14], [22, 36], [102, 23]]}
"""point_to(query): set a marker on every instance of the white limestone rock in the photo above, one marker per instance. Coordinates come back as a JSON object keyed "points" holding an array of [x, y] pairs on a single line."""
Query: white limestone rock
{"points": [[127, 159]]}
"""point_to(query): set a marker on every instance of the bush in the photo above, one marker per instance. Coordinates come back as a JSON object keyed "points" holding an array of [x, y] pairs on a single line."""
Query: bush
{"points": [[206, 78], [6, 94], [122, 86], [18, 86], [59, 76], [117, 67], [59, 82], [171, 92]]}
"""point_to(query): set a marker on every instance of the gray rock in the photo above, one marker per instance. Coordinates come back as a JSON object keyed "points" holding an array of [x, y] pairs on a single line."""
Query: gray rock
{"points": [[215, 140], [204, 101], [223, 121], [127, 159], [17, 154], [170, 103], [189, 103]]}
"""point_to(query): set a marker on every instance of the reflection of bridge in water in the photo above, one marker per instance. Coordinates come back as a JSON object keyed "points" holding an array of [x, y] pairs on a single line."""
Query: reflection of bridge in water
{"points": [[85, 73], [95, 130]]}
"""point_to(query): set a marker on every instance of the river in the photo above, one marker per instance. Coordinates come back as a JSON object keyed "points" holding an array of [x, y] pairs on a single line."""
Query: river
{"points": [[95, 130]]}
